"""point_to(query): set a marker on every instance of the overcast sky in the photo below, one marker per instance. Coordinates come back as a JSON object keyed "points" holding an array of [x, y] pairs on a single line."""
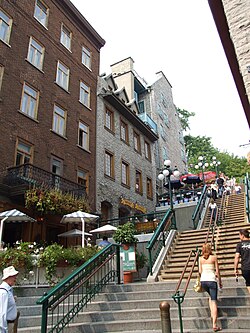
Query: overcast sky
{"points": [[178, 37]]}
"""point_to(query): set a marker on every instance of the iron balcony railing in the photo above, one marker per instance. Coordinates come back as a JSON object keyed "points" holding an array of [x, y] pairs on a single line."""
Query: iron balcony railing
{"points": [[62, 303], [28, 174]]}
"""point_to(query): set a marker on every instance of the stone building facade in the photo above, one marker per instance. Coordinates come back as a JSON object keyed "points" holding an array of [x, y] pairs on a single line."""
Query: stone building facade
{"points": [[233, 24], [238, 18], [125, 160], [156, 106], [49, 64]]}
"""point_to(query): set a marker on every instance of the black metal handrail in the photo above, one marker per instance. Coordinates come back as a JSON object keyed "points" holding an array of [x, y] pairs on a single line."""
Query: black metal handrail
{"points": [[31, 175], [62, 303], [247, 194], [157, 241]]}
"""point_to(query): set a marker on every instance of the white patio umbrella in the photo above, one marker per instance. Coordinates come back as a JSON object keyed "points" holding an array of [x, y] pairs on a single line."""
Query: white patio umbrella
{"points": [[104, 229], [12, 215], [77, 217], [73, 233]]}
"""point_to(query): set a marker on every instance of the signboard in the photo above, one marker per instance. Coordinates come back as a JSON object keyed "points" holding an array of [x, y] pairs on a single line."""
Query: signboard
{"points": [[128, 258]]}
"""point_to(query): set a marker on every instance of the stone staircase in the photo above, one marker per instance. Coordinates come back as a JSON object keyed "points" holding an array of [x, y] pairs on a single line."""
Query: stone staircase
{"points": [[226, 238], [135, 307]]}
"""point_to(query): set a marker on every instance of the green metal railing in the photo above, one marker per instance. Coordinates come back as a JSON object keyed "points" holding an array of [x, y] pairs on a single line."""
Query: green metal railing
{"points": [[63, 302], [199, 207], [157, 241], [247, 190]]}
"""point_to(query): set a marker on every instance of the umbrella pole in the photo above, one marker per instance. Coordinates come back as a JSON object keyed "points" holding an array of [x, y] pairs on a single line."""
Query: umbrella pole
{"points": [[1, 231], [83, 227]]}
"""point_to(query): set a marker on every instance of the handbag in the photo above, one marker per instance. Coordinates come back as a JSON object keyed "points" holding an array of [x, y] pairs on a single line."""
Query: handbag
{"points": [[197, 286]]}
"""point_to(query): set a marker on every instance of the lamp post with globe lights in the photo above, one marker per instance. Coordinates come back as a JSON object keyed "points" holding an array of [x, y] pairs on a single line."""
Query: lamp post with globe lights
{"points": [[166, 175], [215, 164], [202, 164]]}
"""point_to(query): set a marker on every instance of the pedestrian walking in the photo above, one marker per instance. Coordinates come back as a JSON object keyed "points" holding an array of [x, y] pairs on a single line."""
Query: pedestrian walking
{"points": [[209, 272], [243, 254], [8, 310]]}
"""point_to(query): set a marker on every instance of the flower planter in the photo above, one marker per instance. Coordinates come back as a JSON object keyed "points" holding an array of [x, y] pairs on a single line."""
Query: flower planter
{"points": [[127, 277]]}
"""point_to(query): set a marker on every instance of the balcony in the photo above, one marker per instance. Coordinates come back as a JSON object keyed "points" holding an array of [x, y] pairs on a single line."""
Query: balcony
{"points": [[20, 178], [149, 121]]}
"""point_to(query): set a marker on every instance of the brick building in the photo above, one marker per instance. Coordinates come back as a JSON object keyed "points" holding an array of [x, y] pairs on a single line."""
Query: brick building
{"points": [[125, 160], [49, 64]]}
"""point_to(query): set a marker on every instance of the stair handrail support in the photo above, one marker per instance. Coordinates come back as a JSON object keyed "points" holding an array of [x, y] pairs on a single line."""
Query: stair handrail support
{"points": [[247, 196], [201, 204]]}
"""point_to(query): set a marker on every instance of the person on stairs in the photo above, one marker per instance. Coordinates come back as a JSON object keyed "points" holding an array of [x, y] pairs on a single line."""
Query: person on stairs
{"points": [[243, 253], [209, 273]]}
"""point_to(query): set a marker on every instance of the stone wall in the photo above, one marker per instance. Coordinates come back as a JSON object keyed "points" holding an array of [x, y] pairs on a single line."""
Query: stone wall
{"points": [[238, 17]]}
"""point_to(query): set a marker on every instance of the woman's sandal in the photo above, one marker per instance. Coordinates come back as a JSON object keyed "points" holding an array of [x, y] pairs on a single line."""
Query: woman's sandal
{"points": [[217, 329]]}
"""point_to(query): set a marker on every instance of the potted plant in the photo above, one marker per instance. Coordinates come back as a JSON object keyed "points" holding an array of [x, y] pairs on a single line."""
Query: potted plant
{"points": [[125, 234]]}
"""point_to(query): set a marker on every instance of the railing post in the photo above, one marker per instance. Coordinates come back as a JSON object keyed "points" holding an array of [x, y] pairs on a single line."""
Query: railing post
{"points": [[118, 264], [178, 298], [165, 317], [44, 317], [150, 261]]}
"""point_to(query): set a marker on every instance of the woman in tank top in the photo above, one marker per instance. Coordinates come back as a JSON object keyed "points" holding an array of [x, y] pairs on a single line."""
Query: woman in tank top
{"points": [[209, 273]]}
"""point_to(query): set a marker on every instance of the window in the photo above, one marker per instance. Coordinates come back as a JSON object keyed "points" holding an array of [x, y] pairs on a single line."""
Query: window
{"points": [[109, 164], [109, 120], [137, 142], [57, 170], [35, 53], [29, 102], [5, 27], [66, 36], [62, 76], [41, 13], [147, 151], [149, 188], [141, 107], [1, 75], [24, 153], [124, 131], [83, 179], [84, 94], [86, 57], [125, 173], [83, 136], [59, 121], [138, 182]]}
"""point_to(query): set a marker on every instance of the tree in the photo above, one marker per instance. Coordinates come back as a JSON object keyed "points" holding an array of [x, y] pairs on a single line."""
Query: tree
{"points": [[231, 165], [184, 116]]}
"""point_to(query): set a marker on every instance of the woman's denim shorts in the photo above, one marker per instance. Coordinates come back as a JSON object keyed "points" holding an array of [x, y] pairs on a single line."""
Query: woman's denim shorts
{"points": [[211, 288]]}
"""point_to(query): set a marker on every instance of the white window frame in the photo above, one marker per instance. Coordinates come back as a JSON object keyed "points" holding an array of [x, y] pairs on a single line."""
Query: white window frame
{"points": [[40, 5], [84, 97], [35, 53], [125, 176], [25, 150], [59, 120], [109, 164], [83, 135], [66, 37], [5, 20], [62, 75], [86, 57], [29, 101]]}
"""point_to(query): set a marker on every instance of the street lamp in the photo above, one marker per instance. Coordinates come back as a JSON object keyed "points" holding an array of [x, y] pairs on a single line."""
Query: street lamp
{"points": [[215, 164], [166, 175], [202, 164]]}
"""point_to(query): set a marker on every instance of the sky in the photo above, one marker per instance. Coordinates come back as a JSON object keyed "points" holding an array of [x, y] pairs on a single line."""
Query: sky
{"points": [[179, 38]]}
